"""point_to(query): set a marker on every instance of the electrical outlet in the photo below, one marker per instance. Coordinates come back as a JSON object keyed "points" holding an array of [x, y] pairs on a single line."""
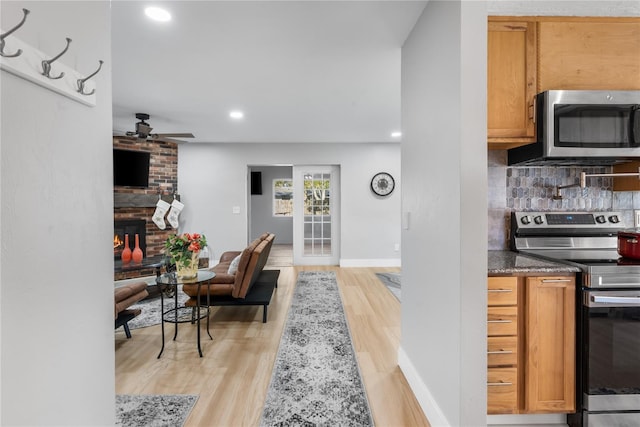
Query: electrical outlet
{"points": [[636, 218], [396, 247]]}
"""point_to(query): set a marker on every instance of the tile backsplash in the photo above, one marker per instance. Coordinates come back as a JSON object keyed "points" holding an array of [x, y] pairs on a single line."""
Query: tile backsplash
{"points": [[532, 189]]}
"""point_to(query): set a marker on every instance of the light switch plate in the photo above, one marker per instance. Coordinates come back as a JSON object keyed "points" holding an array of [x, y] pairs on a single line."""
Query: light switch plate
{"points": [[236, 209]]}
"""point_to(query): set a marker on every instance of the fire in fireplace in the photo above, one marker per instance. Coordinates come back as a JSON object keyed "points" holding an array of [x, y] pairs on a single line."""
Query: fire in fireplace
{"points": [[130, 227]]}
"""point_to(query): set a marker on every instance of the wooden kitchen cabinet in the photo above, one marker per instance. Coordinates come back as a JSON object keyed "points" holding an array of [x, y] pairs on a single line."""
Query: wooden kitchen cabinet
{"points": [[527, 55], [550, 354], [511, 82], [531, 344], [503, 384], [588, 53]]}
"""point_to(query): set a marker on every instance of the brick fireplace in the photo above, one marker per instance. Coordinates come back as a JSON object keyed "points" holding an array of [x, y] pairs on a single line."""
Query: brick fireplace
{"points": [[138, 204]]}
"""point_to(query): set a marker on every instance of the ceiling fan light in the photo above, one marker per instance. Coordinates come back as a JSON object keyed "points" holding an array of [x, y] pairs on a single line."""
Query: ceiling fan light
{"points": [[236, 114], [157, 14], [396, 134]]}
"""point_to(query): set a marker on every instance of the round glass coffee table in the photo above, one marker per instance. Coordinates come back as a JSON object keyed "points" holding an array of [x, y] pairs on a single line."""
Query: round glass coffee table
{"points": [[183, 314]]}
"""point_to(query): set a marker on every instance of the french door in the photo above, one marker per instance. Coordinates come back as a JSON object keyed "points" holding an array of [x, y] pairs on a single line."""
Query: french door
{"points": [[316, 227]]}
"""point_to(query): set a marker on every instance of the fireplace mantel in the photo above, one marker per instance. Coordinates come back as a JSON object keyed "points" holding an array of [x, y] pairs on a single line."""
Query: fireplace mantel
{"points": [[133, 200]]}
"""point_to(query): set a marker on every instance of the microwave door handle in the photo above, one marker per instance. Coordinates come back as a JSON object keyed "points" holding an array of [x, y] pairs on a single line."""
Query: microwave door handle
{"points": [[615, 300]]}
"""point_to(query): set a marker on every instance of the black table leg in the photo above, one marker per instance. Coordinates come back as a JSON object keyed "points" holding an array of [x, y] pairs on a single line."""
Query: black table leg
{"points": [[208, 308], [161, 319], [175, 331], [198, 321]]}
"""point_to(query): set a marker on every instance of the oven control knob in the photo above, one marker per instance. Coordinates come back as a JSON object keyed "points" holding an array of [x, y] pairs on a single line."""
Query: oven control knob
{"points": [[614, 219], [600, 219], [526, 220], [538, 220]]}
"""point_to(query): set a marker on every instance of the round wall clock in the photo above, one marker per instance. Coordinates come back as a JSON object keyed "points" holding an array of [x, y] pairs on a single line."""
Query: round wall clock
{"points": [[382, 184]]}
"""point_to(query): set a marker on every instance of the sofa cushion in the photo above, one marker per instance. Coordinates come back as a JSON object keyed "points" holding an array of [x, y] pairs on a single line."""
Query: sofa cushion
{"points": [[126, 295], [256, 264], [245, 257]]}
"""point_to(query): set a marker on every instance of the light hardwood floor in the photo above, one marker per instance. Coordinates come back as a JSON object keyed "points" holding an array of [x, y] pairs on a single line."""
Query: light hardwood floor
{"points": [[233, 376]]}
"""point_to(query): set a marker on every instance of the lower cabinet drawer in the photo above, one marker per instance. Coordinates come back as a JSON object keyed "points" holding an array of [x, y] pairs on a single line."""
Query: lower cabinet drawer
{"points": [[502, 321], [502, 351], [502, 390]]}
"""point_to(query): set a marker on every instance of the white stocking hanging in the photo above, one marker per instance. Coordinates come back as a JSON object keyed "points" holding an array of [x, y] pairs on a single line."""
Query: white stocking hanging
{"points": [[158, 216], [176, 208]]}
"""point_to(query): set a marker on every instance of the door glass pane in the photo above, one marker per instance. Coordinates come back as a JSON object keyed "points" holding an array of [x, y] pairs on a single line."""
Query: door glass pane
{"points": [[317, 214]]}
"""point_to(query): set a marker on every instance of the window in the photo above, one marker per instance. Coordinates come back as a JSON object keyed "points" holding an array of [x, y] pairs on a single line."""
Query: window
{"points": [[283, 197]]}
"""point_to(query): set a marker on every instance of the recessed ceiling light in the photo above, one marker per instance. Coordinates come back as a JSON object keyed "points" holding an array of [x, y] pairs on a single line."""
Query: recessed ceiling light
{"points": [[396, 134], [236, 114], [157, 14]]}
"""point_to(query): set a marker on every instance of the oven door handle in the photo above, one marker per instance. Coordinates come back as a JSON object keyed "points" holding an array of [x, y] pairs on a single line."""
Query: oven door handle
{"points": [[615, 300]]}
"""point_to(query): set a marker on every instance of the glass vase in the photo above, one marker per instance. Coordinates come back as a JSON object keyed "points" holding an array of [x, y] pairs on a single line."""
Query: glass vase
{"points": [[188, 268]]}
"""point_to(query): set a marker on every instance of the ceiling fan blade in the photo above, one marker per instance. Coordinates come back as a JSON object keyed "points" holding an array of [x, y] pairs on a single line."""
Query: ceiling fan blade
{"points": [[165, 139], [172, 135]]}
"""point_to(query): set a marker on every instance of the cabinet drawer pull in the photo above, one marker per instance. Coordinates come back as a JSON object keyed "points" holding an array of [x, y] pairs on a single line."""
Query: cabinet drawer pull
{"points": [[499, 384], [499, 321], [555, 280], [500, 290], [533, 110], [500, 352]]}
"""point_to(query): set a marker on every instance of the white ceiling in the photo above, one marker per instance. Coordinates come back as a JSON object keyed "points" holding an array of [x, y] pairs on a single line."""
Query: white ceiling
{"points": [[302, 71]]}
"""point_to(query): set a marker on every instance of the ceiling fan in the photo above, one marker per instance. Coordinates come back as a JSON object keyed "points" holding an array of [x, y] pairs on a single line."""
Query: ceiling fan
{"points": [[143, 131]]}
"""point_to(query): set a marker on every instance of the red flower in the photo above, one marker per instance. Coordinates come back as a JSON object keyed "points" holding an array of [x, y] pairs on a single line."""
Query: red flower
{"points": [[194, 247]]}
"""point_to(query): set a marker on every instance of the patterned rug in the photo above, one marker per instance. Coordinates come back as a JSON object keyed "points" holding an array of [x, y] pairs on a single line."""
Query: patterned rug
{"points": [[153, 410], [392, 282], [316, 380], [151, 309]]}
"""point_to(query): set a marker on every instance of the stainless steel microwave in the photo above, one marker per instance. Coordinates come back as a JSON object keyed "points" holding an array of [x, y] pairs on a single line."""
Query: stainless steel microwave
{"points": [[583, 127]]}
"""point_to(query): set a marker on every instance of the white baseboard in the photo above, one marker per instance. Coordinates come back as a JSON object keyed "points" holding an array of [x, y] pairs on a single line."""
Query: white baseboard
{"points": [[421, 391], [386, 262]]}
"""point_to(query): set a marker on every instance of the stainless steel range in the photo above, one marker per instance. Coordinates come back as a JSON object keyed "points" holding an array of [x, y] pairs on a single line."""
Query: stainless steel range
{"points": [[607, 309]]}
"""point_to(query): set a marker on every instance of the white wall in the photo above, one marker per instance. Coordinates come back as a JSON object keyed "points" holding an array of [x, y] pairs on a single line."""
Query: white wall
{"points": [[56, 292], [444, 175], [213, 179], [261, 206]]}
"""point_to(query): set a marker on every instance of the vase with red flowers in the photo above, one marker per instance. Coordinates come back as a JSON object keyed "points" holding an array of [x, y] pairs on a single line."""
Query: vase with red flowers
{"points": [[183, 250]]}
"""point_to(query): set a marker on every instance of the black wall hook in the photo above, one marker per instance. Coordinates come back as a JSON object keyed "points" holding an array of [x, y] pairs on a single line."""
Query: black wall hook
{"points": [[2, 36], [46, 65], [82, 81]]}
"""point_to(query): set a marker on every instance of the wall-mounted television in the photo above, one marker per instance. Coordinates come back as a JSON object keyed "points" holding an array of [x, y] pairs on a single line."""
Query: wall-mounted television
{"points": [[131, 168]]}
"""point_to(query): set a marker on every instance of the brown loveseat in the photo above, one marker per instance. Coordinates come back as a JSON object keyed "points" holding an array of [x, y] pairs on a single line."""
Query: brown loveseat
{"points": [[250, 263]]}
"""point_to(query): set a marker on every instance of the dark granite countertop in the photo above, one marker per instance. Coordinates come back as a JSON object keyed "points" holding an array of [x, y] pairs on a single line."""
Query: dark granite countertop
{"points": [[509, 262]]}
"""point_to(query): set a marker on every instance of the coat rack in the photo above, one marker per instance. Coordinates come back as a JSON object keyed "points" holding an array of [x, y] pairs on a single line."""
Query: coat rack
{"points": [[27, 62]]}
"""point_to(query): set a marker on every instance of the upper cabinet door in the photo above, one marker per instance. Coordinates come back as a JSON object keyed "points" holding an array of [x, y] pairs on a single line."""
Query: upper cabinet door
{"points": [[589, 53], [511, 79]]}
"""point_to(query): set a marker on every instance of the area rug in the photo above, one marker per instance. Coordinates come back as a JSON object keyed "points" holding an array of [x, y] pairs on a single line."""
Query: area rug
{"points": [[151, 309], [316, 380], [392, 282], [157, 410]]}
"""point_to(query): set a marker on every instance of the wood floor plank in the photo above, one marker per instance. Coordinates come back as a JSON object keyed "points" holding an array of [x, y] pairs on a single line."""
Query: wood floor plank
{"points": [[233, 376]]}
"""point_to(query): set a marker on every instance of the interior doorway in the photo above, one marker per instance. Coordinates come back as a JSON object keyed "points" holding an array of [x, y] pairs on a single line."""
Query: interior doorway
{"points": [[270, 209], [300, 205]]}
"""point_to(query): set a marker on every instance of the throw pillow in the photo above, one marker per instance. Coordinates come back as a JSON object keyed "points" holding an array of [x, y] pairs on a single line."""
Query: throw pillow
{"points": [[233, 267]]}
